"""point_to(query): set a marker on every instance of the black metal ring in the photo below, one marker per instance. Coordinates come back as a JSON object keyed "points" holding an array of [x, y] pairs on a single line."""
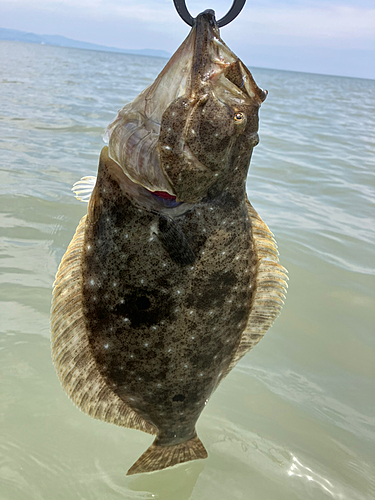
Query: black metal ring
{"points": [[233, 12]]}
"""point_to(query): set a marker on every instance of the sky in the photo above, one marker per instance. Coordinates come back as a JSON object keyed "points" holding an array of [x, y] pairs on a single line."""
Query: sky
{"points": [[319, 36]]}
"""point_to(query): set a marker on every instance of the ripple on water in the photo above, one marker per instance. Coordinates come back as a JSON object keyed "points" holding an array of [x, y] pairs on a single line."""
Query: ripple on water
{"points": [[294, 420]]}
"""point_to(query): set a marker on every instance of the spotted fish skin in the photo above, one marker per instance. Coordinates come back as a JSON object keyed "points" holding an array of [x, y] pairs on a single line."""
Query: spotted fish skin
{"points": [[163, 327], [172, 277]]}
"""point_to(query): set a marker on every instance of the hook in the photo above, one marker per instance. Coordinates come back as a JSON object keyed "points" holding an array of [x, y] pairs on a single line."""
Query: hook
{"points": [[233, 12]]}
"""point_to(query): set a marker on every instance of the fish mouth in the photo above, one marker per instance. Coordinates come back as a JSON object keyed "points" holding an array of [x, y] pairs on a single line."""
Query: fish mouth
{"points": [[165, 199], [134, 137]]}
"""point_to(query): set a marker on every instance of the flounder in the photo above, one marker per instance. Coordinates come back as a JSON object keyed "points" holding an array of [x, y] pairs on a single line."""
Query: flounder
{"points": [[172, 276]]}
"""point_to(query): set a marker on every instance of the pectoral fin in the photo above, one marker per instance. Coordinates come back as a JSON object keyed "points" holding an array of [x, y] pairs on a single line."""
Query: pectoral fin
{"points": [[83, 188]]}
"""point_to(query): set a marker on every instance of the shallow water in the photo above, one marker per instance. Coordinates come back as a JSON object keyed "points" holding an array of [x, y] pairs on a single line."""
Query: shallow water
{"points": [[295, 419]]}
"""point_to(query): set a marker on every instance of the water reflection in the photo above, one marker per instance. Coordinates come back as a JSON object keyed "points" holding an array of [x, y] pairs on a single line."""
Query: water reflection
{"points": [[300, 390], [297, 469], [295, 420], [177, 483]]}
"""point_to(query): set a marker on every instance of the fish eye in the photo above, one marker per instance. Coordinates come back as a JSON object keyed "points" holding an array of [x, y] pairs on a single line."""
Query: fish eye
{"points": [[239, 117]]}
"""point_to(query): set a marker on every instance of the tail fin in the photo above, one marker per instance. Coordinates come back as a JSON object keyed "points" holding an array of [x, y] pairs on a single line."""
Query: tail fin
{"points": [[160, 457]]}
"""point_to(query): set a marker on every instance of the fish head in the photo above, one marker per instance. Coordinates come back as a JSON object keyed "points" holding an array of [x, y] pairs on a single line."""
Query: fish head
{"points": [[184, 133]]}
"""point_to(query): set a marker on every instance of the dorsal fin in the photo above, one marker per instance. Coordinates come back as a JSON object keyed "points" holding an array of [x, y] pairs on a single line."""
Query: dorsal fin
{"points": [[270, 291], [71, 351]]}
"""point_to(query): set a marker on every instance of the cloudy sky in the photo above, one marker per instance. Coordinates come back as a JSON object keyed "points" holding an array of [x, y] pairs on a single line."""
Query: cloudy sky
{"points": [[321, 36]]}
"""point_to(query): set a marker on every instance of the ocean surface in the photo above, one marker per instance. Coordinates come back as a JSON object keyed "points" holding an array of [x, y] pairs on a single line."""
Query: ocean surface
{"points": [[295, 420]]}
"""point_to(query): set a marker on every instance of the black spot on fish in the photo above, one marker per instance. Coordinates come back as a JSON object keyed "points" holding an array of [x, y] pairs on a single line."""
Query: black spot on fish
{"points": [[240, 315], [145, 308], [215, 291], [178, 397], [143, 303], [201, 362], [216, 196]]}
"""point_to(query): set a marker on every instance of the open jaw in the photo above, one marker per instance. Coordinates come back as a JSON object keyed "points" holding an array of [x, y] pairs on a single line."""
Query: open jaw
{"points": [[134, 134], [150, 139], [165, 199]]}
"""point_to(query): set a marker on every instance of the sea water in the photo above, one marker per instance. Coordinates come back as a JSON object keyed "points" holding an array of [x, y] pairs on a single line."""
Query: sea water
{"points": [[295, 420]]}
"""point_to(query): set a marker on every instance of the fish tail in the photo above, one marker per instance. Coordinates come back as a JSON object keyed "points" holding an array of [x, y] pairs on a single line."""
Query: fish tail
{"points": [[158, 457]]}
